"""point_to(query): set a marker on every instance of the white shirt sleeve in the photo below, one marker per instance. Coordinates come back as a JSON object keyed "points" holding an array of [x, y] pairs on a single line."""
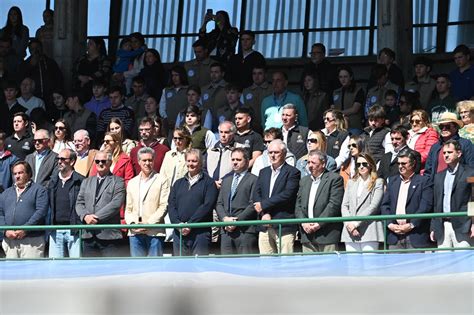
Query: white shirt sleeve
{"points": [[163, 105], [387, 143], [343, 153], [210, 139]]}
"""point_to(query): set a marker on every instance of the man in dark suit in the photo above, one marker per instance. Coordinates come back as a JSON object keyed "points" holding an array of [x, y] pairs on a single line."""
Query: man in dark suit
{"points": [[294, 135], [407, 193], [98, 202], [322, 192], [235, 204], [43, 160], [275, 197], [451, 194], [388, 163]]}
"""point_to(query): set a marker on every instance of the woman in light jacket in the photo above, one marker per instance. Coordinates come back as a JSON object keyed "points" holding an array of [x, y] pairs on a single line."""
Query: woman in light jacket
{"points": [[363, 197]]}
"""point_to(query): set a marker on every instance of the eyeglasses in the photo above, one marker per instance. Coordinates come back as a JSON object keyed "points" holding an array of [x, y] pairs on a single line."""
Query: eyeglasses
{"points": [[352, 145], [328, 119], [39, 140], [415, 121], [178, 138], [363, 164], [312, 140], [59, 128], [446, 126], [108, 141], [267, 141], [62, 159], [100, 161]]}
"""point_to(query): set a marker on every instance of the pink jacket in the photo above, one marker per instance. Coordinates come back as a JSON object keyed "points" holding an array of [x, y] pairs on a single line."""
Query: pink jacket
{"points": [[424, 143]]}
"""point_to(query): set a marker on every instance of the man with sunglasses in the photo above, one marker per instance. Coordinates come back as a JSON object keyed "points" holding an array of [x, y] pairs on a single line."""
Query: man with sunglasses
{"points": [[43, 160], [63, 189], [449, 126], [99, 201]]}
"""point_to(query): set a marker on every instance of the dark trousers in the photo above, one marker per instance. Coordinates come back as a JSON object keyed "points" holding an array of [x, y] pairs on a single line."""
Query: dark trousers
{"points": [[94, 247], [238, 242], [195, 243]]}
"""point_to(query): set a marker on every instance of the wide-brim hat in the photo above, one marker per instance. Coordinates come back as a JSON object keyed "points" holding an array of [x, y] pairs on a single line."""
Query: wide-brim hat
{"points": [[448, 117]]}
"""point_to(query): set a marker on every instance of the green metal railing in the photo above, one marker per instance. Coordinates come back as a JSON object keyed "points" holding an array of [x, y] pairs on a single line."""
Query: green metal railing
{"points": [[279, 223]]}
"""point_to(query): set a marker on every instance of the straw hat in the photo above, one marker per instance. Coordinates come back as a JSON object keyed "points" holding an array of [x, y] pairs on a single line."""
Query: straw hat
{"points": [[448, 117]]}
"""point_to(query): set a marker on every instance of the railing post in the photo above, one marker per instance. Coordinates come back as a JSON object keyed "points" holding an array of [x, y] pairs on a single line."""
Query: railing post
{"points": [[180, 242], [385, 227], [279, 239]]}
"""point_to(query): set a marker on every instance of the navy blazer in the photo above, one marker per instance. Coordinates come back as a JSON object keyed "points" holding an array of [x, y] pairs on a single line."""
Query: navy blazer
{"points": [[460, 196], [281, 205], [419, 200]]}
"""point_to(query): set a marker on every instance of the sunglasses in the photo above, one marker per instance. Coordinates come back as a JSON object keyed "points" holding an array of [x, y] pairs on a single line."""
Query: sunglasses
{"points": [[352, 145], [108, 141], [447, 126], [39, 140], [312, 140], [100, 161], [328, 119], [62, 159], [415, 121], [267, 141], [59, 128], [178, 138], [363, 164]]}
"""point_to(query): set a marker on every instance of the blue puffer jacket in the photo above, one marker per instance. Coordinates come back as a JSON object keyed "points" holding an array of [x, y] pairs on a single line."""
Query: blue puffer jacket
{"points": [[6, 161]]}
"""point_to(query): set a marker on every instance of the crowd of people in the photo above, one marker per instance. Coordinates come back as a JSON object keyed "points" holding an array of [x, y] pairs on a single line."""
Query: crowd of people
{"points": [[210, 139]]}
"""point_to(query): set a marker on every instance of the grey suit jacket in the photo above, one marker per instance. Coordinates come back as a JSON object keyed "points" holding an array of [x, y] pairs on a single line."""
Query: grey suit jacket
{"points": [[367, 204], [327, 204], [47, 167], [106, 205], [241, 205]]}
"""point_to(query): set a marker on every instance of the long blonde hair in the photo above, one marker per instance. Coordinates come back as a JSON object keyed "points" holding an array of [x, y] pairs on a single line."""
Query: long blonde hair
{"points": [[373, 170], [322, 144], [118, 147]]}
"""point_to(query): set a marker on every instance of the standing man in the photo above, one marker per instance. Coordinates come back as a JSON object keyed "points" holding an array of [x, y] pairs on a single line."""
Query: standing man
{"points": [[320, 196], [78, 117], [63, 190], [27, 99], [136, 102], [254, 95], [192, 200], [245, 137], [20, 143], [218, 160], [294, 135], [148, 139], [407, 193], [118, 110], [462, 78], [274, 198], [99, 201], [9, 106], [85, 155], [25, 203], [147, 199], [272, 105], [43, 160], [442, 100], [214, 94], [198, 69], [451, 194], [322, 68], [235, 204]]}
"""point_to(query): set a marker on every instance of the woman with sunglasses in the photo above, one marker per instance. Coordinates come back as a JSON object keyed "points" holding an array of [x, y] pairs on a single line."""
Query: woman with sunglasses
{"points": [[356, 146], [422, 135], [62, 137], [465, 110], [337, 137], [316, 141], [363, 197], [116, 126]]}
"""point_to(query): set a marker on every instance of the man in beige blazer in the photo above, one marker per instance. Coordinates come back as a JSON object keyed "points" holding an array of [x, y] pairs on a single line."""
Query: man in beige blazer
{"points": [[147, 199]]}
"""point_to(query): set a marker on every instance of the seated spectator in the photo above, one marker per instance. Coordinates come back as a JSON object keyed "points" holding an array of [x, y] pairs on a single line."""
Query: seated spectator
{"points": [[356, 145], [254, 95], [442, 101], [193, 95], [377, 135], [100, 99], [449, 126], [17, 31], [27, 99], [200, 194], [39, 120], [198, 69], [409, 101], [386, 57], [275, 198], [316, 101], [235, 203], [452, 194], [7, 159], [43, 160], [160, 132], [62, 137], [99, 202], [241, 65], [322, 68], [85, 155], [11, 61], [214, 94], [465, 110], [407, 193], [57, 105], [388, 166], [264, 160], [202, 138], [272, 104], [233, 93], [422, 81], [392, 109], [79, 117], [20, 143], [294, 135], [337, 136], [45, 34], [221, 41], [422, 135], [136, 101], [153, 73], [94, 64], [349, 99], [116, 126], [245, 136], [462, 78], [363, 197], [376, 93], [147, 198], [173, 99], [9, 107], [125, 55], [316, 141], [117, 110]]}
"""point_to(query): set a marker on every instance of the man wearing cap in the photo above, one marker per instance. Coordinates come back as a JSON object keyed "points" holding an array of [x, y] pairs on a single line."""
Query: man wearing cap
{"points": [[449, 126], [423, 83]]}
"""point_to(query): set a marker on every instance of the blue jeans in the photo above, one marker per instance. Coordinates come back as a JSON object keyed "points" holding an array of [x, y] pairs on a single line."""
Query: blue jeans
{"points": [[63, 243], [142, 245]]}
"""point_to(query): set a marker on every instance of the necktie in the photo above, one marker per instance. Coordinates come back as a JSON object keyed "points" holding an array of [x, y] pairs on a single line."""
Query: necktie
{"points": [[233, 190]]}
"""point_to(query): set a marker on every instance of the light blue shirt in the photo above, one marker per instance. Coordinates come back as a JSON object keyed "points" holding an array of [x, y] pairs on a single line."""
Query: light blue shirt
{"points": [[38, 160], [448, 188], [272, 108]]}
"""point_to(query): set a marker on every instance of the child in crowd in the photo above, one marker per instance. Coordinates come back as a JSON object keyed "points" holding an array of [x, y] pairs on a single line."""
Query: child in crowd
{"points": [[99, 100], [391, 109], [125, 55]]}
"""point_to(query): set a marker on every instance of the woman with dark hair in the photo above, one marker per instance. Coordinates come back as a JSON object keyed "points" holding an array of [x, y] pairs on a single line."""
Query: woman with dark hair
{"points": [[221, 41], [408, 102], [19, 33], [94, 64], [336, 135], [174, 98], [160, 131], [62, 137], [356, 146], [154, 73], [116, 126], [315, 100], [349, 99], [202, 138], [193, 95]]}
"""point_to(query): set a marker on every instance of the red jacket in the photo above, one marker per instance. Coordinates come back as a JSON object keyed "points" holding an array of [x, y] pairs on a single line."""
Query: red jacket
{"points": [[123, 168], [160, 151], [424, 143]]}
